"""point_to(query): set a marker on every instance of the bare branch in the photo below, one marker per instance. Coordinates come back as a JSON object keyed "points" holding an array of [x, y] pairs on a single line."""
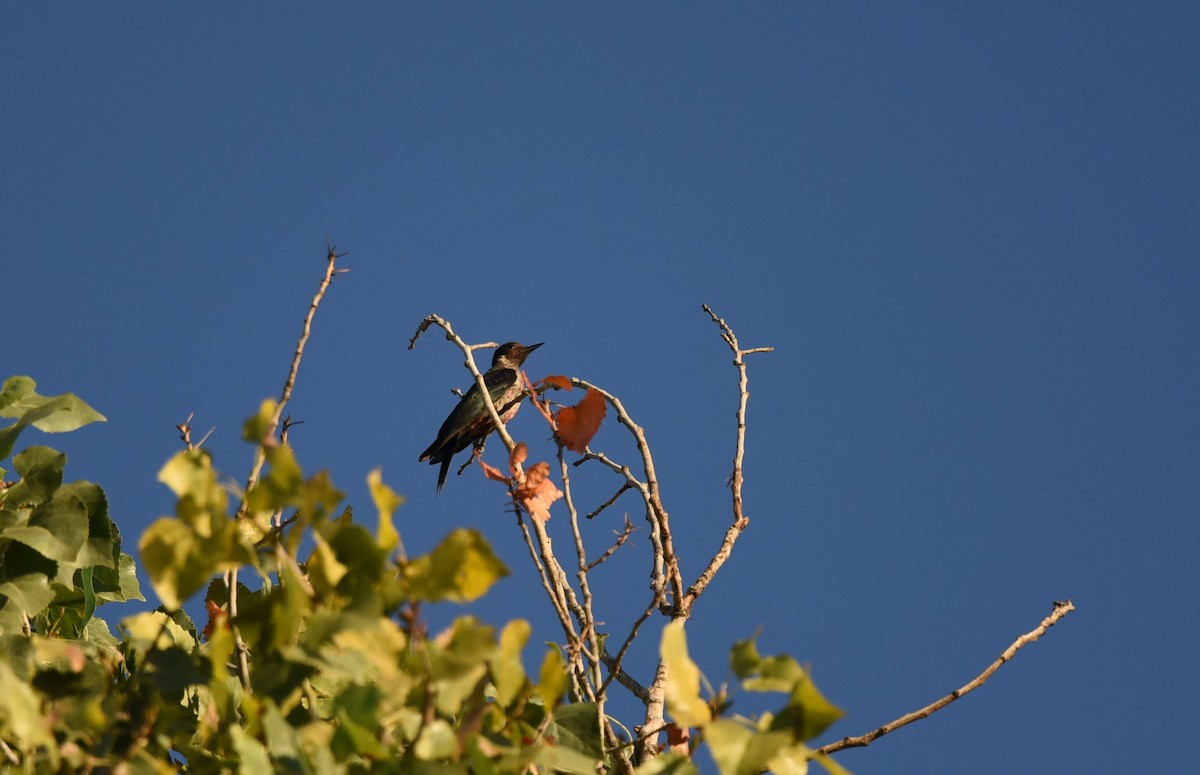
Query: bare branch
{"points": [[739, 522], [1061, 609]]}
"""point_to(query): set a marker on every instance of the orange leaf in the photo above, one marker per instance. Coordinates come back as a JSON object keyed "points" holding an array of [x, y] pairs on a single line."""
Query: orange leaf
{"points": [[578, 424], [538, 492], [557, 381], [519, 453], [491, 472]]}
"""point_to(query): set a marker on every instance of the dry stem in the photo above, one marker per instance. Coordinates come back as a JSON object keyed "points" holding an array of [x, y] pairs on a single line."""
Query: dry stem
{"points": [[331, 257], [1061, 609]]}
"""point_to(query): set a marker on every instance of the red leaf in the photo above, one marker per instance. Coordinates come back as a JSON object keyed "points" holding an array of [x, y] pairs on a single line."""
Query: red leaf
{"points": [[578, 424], [557, 381]]}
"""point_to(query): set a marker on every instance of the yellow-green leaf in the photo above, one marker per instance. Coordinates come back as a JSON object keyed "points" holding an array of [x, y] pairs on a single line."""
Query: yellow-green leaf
{"points": [[552, 679], [281, 486], [437, 741], [462, 568], [684, 702], [832, 767], [808, 710], [507, 671], [257, 427], [252, 755], [324, 569], [386, 501]]}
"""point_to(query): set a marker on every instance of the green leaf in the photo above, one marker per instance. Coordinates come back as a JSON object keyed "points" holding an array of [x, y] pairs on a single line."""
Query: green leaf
{"points": [[56, 529], [202, 503], [97, 631], [41, 472], [832, 767], [14, 390], [282, 485], [173, 669], [324, 569], [437, 741], [154, 630], [684, 702], [282, 741], [21, 716], [180, 561], [738, 750], [50, 414], [28, 594], [99, 549], [508, 673], [552, 679], [578, 728], [744, 659], [559, 759], [256, 428], [459, 666], [780, 673], [462, 568], [808, 713], [120, 584], [89, 595]]}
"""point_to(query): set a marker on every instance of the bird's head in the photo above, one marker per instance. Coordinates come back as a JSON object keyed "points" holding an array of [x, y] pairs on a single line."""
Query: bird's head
{"points": [[511, 355]]}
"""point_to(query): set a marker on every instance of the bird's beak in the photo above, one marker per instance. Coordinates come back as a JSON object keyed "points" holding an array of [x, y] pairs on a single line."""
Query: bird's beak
{"points": [[533, 347]]}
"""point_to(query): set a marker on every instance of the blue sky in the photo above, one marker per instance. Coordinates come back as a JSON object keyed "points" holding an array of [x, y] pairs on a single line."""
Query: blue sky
{"points": [[970, 232]]}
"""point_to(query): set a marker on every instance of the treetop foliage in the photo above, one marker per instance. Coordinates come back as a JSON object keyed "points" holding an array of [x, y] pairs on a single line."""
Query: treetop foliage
{"points": [[324, 662]]}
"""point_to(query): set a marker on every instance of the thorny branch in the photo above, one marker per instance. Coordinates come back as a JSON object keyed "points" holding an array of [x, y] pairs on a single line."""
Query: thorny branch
{"points": [[1061, 609]]}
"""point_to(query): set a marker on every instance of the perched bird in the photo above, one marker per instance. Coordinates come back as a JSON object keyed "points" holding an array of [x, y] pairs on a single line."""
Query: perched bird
{"points": [[470, 422]]}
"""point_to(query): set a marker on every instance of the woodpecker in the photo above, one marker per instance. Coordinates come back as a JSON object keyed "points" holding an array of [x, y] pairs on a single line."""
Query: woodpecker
{"points": [[470, 422]]}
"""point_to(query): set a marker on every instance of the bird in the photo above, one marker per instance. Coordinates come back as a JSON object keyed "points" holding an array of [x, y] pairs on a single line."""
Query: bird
{"points": [[470, 422]]}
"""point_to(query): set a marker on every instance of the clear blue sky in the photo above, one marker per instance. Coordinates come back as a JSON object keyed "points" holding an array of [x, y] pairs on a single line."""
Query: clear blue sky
{"points": [[970, 232]]}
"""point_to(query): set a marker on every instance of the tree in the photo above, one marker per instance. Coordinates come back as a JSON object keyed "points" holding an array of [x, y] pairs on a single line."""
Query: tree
{"points": [[327, 663]]}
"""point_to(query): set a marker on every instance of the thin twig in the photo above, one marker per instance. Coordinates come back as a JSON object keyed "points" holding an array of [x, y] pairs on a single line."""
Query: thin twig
{"points": [[1061, 609], [622, 537], [614, 666], [621, 491], [185, 431], [331, 257]]}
